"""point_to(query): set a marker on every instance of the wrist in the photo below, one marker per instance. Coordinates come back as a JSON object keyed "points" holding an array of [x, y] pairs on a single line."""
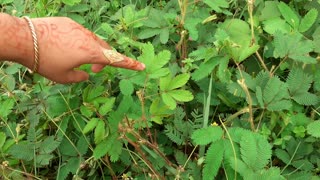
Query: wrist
{"points": [[16, 43]]}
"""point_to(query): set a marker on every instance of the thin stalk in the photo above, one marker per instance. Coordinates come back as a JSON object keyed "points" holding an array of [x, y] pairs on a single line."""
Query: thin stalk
{"points": [[206, 113], [233, 149]]}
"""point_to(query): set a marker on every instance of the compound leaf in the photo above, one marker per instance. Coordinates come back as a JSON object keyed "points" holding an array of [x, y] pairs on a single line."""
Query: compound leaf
{"points": [[207, 135], [213, 160]]}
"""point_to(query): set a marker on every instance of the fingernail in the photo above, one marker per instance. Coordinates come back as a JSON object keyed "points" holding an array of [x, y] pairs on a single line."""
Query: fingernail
{"points": [[143, 66]]}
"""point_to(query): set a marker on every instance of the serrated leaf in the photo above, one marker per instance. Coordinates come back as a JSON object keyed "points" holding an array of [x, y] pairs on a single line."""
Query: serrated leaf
{"points": [[213, 160], [168, 100], [181, 95], [207, 135], [293, 46], [279, 105], [101, 149], [308, 20], [48, 145], [43, 159], [289, 15], [86, 111], [90, 125], [115, 151], [178, 81], [275, 90], [259, 96], [126, 87], [107, 106], [306, 98], [255, 150], [99, 132], [205, 68], [6, 107], [27, 153], [298, 81], [104, 147], [314, 129]]}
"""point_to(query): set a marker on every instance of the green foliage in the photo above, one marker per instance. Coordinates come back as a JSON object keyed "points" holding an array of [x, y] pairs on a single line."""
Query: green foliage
{"points": [[230, 91]]}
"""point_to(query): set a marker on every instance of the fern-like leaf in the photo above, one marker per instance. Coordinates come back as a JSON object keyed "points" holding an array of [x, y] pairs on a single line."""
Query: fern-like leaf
{"points": [[207, 135], [249, 151], [213, 160], [298, 81], [174, 135]]}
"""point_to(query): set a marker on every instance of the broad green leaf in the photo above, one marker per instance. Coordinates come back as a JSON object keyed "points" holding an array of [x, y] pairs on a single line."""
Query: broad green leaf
{"points": [[48, 145], [316, 40], [6, 107], [279, 105], [303, 164], [255, 150], [164, 35], [148, 33], [239, 45], [3, 2], [205, 68], [224, 73], [271, 26], [239, 166], [306, 98], [308, 20], [107, 106], [213, 160], [165, 82], [178, 81], [298, 81], [126, 87], [269, 11], [43, 159], [249, 151], [181, 95], [282, 155], [275, 90], [99, 132], [217, 5], [22, 151], [90, 125], [2, 139], [104, 147], [147, 55], [294, 46], [207, 135], [9, 82], [314, 129], [168, 100], [115, 151], [86, 111], [289, 15], [71, 2], [259, 96]]}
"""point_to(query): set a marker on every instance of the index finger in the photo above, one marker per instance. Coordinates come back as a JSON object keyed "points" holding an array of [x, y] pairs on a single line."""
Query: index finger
{"points": [[118, 60]]}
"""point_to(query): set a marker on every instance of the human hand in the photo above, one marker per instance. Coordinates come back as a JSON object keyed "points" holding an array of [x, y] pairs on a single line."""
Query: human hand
{"points": [[65, 45]]}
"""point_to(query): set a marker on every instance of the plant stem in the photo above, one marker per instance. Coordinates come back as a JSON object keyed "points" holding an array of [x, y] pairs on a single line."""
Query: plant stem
{"points": [[206, 113]]}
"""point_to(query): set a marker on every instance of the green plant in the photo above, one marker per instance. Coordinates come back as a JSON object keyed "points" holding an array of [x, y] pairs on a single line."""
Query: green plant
{"points": [[230, 91]]}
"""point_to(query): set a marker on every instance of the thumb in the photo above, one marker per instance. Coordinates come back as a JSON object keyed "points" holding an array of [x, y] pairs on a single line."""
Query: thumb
{"points": [[75, 76]]}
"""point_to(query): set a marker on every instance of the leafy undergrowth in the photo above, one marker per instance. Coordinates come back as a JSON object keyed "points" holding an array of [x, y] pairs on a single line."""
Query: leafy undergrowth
{"points": [[230, 91]]}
